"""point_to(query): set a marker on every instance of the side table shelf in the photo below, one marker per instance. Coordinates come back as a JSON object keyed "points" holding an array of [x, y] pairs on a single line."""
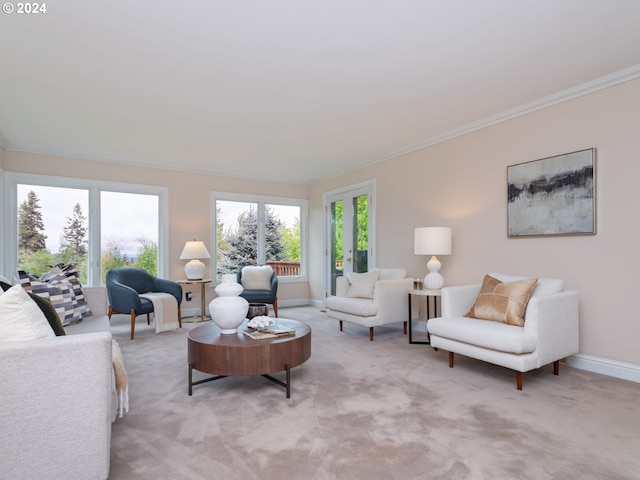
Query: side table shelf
{"points": [[428, 294], [202, 283]]}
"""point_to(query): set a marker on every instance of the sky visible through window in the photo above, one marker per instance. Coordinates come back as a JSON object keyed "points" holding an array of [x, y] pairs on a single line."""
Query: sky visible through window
{"points": [[125, 217]]}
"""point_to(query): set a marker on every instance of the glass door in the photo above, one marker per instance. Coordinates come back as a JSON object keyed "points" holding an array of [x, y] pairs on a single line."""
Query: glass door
{"points": [[349, 220]]}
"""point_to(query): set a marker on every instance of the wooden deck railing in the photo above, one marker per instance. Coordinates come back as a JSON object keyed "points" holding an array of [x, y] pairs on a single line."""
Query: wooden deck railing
{"points": [[285, 269]]}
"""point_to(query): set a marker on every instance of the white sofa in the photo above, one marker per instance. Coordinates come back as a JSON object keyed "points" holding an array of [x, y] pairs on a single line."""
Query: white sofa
{"points": [[58, 401], [370, 302], [549, 334]]}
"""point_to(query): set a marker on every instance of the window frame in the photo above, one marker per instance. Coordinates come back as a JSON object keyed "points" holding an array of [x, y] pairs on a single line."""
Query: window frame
{"points": [[261, 201], [94, 189]]}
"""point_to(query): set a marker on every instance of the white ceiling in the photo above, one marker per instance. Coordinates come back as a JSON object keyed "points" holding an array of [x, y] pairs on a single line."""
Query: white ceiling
{"points": [[291, 90]]}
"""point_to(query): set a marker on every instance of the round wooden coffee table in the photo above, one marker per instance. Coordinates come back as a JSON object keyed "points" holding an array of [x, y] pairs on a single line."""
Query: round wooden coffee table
{"points": [[227, 355]]}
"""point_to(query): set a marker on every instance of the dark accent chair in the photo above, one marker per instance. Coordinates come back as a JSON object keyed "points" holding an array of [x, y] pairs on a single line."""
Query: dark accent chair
{"points": [[124, 286], [251, 276]]}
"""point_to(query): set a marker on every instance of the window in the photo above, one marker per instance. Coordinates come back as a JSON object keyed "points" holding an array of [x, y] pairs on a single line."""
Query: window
{"points": [[129, 236], [98, 225], [52, 228], [259, 230]]}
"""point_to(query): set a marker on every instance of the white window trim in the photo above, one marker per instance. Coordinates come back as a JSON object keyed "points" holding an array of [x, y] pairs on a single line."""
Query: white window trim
{"points": [[261, 200], [94, 187]]}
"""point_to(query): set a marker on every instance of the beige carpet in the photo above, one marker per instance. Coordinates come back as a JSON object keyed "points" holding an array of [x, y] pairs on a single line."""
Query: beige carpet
{"points": [[369, 410]]}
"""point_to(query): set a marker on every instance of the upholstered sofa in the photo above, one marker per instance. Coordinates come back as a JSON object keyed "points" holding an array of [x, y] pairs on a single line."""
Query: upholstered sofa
{"points": [[549, 333], [371, 299], [58, 400]]}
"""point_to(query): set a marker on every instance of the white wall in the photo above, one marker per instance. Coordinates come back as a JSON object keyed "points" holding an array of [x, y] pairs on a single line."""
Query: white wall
{"points": [[189, 204], [461, 183]]}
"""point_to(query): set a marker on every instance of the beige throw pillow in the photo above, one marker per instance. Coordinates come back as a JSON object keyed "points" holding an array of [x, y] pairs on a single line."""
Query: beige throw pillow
{"points": [[361, 285], [503, 302], [257, 277]]}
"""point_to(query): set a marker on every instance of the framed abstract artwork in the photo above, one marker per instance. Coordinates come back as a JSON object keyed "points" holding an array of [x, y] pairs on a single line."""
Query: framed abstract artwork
{"points": [[552, 196]]}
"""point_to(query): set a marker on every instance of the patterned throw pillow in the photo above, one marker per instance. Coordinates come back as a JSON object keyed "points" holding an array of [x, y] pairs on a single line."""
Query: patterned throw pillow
{"points": [[80, 305], [60, 290]]}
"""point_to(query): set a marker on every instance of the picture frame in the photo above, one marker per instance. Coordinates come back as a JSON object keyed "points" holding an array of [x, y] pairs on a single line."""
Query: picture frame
{"points": [[553, 196]]}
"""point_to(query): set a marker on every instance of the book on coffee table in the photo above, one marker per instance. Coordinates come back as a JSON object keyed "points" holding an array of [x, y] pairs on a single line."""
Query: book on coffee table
{"points": [[269, 332]]}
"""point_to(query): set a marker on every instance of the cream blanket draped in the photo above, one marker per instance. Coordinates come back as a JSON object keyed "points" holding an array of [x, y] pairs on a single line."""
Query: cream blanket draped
{"points": [[165, 310], [122, 380]]}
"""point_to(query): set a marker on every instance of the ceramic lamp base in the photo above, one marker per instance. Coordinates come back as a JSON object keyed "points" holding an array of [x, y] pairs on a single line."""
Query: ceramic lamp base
{"points": [[194, 270], [433, 280]]}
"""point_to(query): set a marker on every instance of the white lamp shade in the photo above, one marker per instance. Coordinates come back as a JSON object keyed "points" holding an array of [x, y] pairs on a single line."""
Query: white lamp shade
{"points": [[193, 251], [432, 241]]}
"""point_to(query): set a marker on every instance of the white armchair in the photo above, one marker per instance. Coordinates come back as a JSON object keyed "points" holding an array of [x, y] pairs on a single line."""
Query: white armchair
{"points": [[371, 299], [549, 333]]}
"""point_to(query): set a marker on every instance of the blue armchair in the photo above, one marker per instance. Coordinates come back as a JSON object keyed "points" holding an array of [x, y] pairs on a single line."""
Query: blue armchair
{"points": [[124, 286], [260, 285]]}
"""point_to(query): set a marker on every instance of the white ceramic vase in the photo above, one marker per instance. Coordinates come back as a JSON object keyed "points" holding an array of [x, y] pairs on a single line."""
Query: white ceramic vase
{"points": [[228, 310]]}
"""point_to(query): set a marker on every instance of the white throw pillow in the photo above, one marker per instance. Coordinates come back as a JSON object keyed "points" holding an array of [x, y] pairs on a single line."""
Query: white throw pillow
{"points": [[361, 285], [257, 278], [20, 317], [392, 273]]}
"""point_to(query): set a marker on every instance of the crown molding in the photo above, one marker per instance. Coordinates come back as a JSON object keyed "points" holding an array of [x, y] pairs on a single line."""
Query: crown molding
{"points": [[606, 81]]}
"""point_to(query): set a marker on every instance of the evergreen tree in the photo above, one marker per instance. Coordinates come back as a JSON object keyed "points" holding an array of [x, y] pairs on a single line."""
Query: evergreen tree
{"points": [[221, 242], [243, 243], [273, 231], [73, 247], [30, 225]]}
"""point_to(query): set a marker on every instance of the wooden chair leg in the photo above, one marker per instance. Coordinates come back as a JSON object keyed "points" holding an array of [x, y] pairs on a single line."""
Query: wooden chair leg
{"points": [[405, 328], [148, 319], [179, 317], [556, 367], [133, 322], [371, 334], [110, 312], [450, 359], [275, 307], [519, 380], [340, 325]]}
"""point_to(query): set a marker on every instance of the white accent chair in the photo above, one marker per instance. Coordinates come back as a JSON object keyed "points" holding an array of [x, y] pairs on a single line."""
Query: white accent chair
{"points": [[549, 334], [371, 299]]}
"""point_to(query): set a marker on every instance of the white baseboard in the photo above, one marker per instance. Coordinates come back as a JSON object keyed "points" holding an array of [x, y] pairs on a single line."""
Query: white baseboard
{"points": [[317, 303], [603, 366], [190, 312], [297, 302]]}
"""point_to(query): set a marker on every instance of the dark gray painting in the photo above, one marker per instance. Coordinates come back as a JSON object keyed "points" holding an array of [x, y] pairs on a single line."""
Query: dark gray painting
{"points": [[552, 196]]}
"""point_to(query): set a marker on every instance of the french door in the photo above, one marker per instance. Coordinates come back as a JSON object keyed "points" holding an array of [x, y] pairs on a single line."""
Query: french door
{"points": [[349, 220]]}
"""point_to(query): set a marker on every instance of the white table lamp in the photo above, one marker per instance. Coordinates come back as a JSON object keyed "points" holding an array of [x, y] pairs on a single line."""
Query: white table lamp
{"points": [[194, 251], [433, 241]]}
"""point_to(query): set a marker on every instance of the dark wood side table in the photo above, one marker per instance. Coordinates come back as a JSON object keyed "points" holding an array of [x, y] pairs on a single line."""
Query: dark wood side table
{"points": [[202, 283], [428, 294], [224, 355]]}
